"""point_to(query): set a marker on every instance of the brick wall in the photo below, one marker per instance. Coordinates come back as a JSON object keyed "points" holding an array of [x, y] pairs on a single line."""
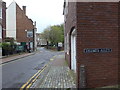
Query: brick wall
{"points": [[69, 24], [22, 23], [97, 27], [119, 44], [4, 20]]}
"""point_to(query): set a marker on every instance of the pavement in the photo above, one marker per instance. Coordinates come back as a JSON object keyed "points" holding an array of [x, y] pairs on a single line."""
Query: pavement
{"points": [[14, 57], [56, 75]]}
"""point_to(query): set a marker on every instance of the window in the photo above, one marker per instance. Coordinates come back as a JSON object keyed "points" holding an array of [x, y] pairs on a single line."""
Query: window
{"points": [[66, 8]]}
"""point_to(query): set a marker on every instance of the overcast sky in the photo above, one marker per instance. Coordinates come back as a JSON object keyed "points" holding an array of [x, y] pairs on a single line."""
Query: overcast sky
{"points": [[44, 12]]}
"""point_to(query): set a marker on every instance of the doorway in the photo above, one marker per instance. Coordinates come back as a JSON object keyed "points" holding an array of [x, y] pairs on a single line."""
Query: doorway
{"points": [[73, 50]]}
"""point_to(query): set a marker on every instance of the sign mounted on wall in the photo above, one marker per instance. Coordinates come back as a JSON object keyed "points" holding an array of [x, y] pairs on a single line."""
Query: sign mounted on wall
{"points": [[30, 34], [97, 50]]}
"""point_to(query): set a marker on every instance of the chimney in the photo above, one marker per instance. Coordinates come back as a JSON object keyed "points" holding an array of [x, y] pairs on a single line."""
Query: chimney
{"points": [[24, 9]]}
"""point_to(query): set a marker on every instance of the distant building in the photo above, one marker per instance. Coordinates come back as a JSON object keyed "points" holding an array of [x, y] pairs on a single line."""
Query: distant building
{"points": [[19, 26], [91, 41], [40, 40]]}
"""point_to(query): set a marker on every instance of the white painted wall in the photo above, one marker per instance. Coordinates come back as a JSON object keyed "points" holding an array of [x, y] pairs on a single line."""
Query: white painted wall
{"points": [[11, 21], [73, 51]]}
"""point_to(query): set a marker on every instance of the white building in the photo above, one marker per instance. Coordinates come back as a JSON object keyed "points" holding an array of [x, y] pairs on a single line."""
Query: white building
{"points": [[11, 16], [40, 40]]}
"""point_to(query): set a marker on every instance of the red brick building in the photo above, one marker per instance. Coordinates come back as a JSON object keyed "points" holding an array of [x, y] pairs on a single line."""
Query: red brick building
{"points": [[3, 20], [18, 24], [91, 40]]}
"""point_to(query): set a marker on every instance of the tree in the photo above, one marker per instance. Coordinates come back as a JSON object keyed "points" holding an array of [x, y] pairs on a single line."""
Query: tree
{"points": [[46, 34], [0, 45], [59, 33], [54, 34]]}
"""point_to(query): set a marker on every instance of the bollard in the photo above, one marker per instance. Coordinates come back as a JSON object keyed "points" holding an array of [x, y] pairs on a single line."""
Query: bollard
{"points": [[82, 77]]}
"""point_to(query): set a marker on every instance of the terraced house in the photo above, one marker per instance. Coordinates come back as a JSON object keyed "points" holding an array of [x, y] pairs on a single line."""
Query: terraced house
{"points": [[19, 26], [91, 41], [2, 22]]}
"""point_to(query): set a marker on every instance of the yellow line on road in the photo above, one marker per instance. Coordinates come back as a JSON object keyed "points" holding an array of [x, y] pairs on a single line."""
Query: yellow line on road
{"points": [[28, 86], [35, 76], [54, 56], [51, 59], [29, 80], [34, 79]]}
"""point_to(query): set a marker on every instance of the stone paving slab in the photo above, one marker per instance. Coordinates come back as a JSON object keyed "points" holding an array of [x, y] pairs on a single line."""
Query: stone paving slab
{"points": [[57, 75]]}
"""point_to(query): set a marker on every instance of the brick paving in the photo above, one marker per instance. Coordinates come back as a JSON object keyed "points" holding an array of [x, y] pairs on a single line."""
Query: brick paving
{"points": [[58, 75]]}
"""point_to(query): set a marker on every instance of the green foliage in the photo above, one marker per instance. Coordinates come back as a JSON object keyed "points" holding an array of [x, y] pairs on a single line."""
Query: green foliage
{"points": [[46, 33], [6, 46], [10, 40], [0, 45], [54, 34]]}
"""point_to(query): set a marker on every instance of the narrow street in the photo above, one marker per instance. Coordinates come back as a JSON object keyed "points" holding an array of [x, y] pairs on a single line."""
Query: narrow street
{"points": [[16, 73]]}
